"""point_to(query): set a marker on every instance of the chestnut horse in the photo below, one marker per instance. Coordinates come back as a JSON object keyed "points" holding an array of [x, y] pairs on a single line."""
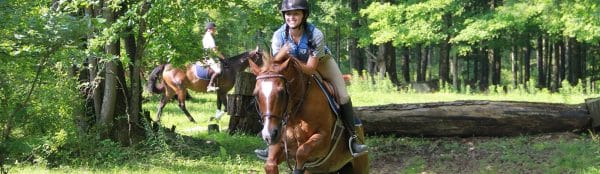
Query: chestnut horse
{"points": [[298, 124], [176, 81]]}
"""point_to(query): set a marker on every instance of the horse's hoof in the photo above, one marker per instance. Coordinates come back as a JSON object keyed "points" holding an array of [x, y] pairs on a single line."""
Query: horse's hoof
{"points": [[298, 171]]}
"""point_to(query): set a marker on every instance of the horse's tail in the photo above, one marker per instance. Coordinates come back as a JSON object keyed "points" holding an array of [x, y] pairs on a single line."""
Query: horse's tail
{"points": [[154, 76]]}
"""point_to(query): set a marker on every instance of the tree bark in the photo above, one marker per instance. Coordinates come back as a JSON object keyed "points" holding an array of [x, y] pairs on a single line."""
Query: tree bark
{"points": [[562, 60], [475, 57], [496, 66], [472, 118], [548, 62], [484, 63], [356, 58], [406, 64], [371, 62], [390, 63], [555, 83], [444, 64], [241, 106], [540, 62], [527, 64], [418, 54], [381, 61], [134, 48], [422, 75], [514, 66], [105, 120], [454, 65]]}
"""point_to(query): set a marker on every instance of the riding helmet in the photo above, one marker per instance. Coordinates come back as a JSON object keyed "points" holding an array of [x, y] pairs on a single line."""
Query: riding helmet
{"points": [[289, 5], [210, 25]]}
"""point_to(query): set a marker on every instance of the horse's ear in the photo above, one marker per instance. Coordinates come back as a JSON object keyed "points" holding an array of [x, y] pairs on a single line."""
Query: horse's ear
{"points": [[255, 68], [284, 65]]}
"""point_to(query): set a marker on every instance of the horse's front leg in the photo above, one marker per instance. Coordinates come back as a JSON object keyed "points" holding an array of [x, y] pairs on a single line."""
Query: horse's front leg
{"points": [[274, 159], [305, 150]]}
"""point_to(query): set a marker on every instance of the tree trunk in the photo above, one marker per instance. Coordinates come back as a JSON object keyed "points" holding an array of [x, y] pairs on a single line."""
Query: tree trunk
{"points": [[241, 106], [429, 55], [454, 71], [562, 61], [406, 64], [485, 69], [527, 64], [105, 120], [445, 50], [496, 66], [390, 63], [555, 83], [548, 62], [134, 48], [541, 78], [419, 61], [472, 118], [371, 63], [86, 74], [381, 61], [422, 75], [593, 106], [514, 66], [444, 72], [356, 58], [583, 61], [475, 57]]}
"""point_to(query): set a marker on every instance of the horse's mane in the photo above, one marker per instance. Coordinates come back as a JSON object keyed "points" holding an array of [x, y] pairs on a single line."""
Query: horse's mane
{"points": [[239, 56], [270, 63]]}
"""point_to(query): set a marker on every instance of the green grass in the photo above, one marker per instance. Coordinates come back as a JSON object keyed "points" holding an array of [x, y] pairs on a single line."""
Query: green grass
{"points": [[193, 150]]}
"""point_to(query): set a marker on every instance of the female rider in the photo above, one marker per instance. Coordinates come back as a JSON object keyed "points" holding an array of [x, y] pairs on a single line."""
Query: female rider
{"points": [[306, 43]]}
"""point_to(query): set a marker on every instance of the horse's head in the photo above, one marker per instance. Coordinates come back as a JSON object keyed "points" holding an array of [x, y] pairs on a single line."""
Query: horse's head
{"points": [[255, 55], [272, 96], [240, 62]]}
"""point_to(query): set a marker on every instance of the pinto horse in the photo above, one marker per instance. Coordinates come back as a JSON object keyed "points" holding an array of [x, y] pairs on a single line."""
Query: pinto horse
{"points": [[298, 124], [176, 81]]}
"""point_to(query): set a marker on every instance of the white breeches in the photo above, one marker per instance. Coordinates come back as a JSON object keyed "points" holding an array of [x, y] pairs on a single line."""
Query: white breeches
{"points": [[329, 70], [214, 65]]}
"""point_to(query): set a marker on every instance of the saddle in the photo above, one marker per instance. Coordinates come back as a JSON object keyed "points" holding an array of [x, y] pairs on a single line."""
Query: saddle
{"points": [[329, 90], [202, 71]]}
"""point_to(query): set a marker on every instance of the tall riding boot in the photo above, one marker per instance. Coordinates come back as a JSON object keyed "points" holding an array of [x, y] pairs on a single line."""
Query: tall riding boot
{"points": [[347, 113]]}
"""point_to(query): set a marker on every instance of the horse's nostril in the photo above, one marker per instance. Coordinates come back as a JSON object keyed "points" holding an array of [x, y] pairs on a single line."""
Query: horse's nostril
{"points": [[275, 133]]}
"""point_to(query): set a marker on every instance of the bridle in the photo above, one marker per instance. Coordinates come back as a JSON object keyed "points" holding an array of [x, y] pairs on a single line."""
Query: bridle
{"points": [[268, 115]]}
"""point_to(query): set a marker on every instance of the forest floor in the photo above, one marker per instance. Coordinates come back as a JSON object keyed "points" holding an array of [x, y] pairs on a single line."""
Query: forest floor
{"points": [[524, 154]]}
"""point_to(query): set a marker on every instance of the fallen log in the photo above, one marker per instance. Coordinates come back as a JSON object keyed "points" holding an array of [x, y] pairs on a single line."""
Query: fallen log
{"points": [[473, 118]]}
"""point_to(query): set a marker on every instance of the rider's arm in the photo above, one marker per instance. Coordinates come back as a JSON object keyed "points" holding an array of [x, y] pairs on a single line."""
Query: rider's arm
{"points": [[218, 53], [310, 67]]}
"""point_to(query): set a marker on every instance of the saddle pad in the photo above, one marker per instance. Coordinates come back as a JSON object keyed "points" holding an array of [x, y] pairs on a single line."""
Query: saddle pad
{"points": [[202, 72]]}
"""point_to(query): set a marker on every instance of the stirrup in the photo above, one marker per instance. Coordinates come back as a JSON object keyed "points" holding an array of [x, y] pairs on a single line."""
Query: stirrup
{"points": [[354, 154]]}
